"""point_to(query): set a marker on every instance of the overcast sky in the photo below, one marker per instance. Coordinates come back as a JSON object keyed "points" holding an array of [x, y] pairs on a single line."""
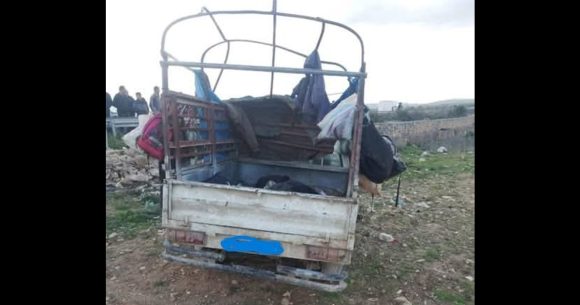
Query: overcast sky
{"points": [[416, 51]]}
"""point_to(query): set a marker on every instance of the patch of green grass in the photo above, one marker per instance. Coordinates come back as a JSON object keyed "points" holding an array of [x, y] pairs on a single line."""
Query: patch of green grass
{"points": [[160, 283], [435, 163], [131, 215], [468, 290], [370, 267], [405, 269], [115, 142], [449, 297], [331, 298], [432, 255]]}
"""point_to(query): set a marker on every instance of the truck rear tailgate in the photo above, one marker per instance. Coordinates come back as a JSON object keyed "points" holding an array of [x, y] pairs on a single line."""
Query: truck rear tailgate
{"points": [[302, 223]]}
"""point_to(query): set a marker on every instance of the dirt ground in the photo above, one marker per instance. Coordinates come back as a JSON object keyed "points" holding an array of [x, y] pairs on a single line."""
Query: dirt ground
{"points": [[431, 260]]}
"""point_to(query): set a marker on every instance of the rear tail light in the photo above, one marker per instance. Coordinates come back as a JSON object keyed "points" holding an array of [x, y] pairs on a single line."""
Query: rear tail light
{"points": [[184, 236], [325, 254]]}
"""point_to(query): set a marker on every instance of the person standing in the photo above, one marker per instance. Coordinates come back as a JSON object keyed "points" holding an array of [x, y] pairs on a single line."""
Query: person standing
{"points": [[109, 103], [154, 101], [140, 105], [124, 103]]}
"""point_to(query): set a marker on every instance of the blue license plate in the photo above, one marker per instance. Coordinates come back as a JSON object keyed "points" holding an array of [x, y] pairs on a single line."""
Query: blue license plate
{"points": [[248, 244]]}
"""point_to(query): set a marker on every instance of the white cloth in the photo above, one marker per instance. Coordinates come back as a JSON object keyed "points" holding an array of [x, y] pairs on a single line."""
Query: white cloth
{"points": [[338, 123], [130, 138]]}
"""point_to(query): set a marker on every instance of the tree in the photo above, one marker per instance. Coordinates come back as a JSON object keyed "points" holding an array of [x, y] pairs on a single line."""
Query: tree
{"points": [[458, 111]]}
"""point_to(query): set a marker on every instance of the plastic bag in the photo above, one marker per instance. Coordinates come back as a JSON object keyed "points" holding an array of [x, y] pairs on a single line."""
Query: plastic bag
{"points": [[130, 138]]}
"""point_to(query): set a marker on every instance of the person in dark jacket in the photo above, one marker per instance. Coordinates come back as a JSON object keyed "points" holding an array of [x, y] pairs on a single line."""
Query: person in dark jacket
{"points": [[109, 104], [154, 101], [124, 103], [140, 105]]}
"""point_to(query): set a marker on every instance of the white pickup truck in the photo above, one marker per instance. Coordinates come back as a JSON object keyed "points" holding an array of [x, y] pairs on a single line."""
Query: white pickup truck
{"points": [[217, 211]]}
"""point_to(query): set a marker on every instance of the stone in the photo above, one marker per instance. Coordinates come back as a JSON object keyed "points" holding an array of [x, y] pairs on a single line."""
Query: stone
{"points": [[386, 237], [402, 301], [422, 205]]}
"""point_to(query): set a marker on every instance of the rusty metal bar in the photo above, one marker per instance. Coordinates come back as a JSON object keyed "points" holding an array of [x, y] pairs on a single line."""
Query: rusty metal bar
{"points": [[274, 9], [321, 35], [266, 44], [227, 51], [242, 12], [262, 68], [356, 139]]}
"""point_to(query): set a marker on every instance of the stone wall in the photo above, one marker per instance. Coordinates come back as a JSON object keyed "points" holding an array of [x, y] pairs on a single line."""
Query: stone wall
{"points": [[430, 133]]}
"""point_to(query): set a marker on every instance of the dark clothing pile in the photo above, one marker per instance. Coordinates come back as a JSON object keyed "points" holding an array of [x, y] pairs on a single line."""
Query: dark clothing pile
{"points": [[310, 93]]}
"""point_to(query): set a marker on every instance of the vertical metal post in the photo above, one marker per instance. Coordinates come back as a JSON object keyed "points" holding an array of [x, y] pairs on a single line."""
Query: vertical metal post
{"points": [[274, 10], [113, 127], [163, 109], [356, 139]]}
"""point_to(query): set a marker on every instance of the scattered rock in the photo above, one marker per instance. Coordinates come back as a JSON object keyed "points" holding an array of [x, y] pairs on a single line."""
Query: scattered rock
{"points": [[442, 149], [420, 260], [113, 235], [422, 205], [386, 237], [142, 268], [172, 297], [422, 160], [425, 153], [402, 301], [287, 294], [285, 301], [469, 278], [399, 291], [468, 261], [129, 168], [113, 278], [234, 282], [373, 299]]}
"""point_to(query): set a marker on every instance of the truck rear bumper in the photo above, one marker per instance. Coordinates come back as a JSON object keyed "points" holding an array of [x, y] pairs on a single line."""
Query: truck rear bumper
{"points": [[284, 274]]}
